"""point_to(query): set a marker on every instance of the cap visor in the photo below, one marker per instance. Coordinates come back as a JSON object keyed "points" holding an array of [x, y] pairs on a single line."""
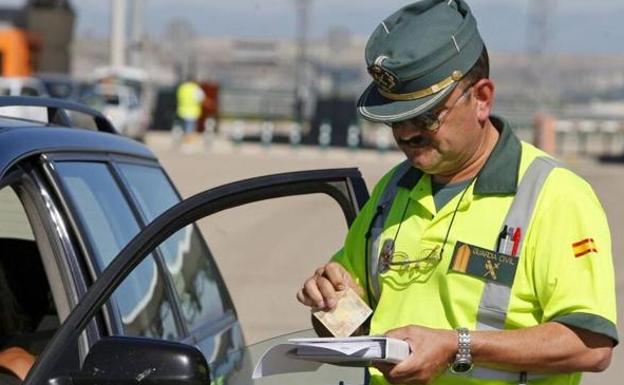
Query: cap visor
{"points": [[375, 107]]}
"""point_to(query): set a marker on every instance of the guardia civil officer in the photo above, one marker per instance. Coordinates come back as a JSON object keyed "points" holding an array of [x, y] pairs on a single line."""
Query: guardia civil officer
{"points": [[488, 256]]}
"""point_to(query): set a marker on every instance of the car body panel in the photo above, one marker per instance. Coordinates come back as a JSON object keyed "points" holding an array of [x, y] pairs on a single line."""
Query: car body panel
{"points": [[29, 141]]}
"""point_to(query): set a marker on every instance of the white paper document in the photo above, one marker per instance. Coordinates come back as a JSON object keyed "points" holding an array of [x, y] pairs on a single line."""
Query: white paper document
{"points": [[308, 354]]}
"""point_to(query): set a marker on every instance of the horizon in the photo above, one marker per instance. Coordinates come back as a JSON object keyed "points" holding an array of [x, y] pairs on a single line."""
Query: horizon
{"points": [[579, 26]]}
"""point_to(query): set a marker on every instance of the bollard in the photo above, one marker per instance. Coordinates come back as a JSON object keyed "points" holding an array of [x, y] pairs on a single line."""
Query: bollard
{"points": [[238, 132], [382, 140], [609, 130], [546, 133], [324, 138], [266, 133], [210, 128], [353, 137], [562, 129], [294, 136], [585, 129], [177, 134]]}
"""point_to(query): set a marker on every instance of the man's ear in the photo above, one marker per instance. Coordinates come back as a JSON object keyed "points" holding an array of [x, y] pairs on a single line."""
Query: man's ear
{"points": [[484, 98]]}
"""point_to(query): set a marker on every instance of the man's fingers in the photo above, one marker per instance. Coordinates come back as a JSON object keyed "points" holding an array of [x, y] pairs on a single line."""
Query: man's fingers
{"points": [[320, 291], [337, 275], [311, 294], [327, 291]]}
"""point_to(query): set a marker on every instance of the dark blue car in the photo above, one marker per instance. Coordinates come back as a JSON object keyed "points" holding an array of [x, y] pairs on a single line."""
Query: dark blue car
{"points": [[109, 276]]}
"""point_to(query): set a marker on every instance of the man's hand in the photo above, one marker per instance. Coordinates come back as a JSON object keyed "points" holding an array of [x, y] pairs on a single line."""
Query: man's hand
{"points": [[432, 350], [319, 291]]}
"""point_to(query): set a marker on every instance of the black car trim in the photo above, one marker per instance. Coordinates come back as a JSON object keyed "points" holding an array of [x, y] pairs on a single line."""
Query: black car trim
{"points": [[59, 240], [180, 215], [69, 156], [74, 223]]}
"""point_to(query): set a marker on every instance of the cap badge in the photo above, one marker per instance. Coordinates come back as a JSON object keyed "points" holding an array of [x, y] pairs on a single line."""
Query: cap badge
{"points": [[384, 78]]}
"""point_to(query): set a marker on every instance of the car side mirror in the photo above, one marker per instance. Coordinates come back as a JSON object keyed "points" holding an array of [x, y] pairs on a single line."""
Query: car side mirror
{"points": [[131, 360]]}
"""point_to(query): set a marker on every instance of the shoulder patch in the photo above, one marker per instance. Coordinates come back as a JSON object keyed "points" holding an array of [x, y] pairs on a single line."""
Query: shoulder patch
{"points": [[584, 247]]}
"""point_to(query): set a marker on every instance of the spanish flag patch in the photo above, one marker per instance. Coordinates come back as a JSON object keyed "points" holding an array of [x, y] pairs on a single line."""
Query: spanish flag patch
{"points": [[584, 247]]}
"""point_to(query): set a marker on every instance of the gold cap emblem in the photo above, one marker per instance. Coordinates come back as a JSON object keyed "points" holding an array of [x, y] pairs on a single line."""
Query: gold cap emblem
{"points": [[384, 78], [457, 75]]}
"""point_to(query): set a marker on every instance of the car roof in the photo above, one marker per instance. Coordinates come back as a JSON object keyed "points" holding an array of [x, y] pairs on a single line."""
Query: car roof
{"points": [[20, 139]]}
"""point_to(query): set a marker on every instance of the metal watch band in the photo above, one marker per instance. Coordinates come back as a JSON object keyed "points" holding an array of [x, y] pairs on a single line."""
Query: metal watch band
{"points": [[463, 358]]}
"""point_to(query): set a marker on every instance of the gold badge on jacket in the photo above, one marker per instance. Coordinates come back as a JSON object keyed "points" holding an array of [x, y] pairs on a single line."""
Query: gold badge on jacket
{"points": [[483, 263]]}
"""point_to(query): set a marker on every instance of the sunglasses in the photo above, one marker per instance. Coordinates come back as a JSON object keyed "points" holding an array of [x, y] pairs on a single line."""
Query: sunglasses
{"points": [[432, 120], [389, 259]]}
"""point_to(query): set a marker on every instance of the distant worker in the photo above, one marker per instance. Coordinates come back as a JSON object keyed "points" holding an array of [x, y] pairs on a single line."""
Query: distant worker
{"points": [[189, 98]]}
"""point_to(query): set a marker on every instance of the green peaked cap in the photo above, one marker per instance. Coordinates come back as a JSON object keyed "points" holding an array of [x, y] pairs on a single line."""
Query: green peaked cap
{"points": [[416, 57]]}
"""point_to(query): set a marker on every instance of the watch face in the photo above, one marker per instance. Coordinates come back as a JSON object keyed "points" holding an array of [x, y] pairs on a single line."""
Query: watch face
{"points": [[461, 366]]}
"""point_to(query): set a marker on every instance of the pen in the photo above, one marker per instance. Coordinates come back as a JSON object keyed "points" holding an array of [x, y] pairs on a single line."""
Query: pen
{"points": [[501, 240], [516, 241], [508, 237]]}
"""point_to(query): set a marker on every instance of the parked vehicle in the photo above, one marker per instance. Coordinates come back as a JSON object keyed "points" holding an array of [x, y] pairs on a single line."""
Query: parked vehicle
{"points": [[97, 249], [62, 86], [22, 86], [121, 106]]}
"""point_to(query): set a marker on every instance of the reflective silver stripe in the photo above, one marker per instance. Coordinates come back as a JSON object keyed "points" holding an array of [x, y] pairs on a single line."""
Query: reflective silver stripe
{"points": [[494, 374], [495, 299], [383, 209]]}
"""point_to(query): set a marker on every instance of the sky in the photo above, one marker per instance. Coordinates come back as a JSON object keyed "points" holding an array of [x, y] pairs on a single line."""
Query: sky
{"points": [[579, 26]]}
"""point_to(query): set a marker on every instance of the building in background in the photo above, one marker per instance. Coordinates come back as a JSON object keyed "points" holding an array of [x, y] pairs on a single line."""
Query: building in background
{"points": [[36, 37]]}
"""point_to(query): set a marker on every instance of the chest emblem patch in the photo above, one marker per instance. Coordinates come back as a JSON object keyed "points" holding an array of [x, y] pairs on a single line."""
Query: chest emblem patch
{"points": [[483, 263]]}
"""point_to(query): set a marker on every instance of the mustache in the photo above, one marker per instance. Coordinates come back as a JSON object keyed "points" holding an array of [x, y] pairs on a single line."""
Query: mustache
{"points": [[414, 141]]}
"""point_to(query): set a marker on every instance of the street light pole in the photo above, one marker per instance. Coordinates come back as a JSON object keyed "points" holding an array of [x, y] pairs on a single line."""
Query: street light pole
{"points": [[302, 9], [118, 33]]}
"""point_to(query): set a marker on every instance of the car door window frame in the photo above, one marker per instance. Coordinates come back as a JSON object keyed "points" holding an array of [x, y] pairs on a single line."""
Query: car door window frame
{"points": [[57, 250], [184, 213], [110, 312], [215, 325]]}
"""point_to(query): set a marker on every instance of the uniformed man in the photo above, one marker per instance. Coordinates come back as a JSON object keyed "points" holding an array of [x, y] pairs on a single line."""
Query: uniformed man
{"points": [[489, 257]]}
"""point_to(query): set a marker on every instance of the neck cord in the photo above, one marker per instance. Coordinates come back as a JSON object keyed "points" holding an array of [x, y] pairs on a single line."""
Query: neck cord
{"points": [[448, 231]]}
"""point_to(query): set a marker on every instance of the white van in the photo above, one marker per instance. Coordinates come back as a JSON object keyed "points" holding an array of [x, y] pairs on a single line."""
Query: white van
{"points": [[23, 86]]}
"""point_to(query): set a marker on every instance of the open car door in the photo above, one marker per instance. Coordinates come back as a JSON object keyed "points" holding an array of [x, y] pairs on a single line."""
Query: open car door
{"points": [[121, 359]]}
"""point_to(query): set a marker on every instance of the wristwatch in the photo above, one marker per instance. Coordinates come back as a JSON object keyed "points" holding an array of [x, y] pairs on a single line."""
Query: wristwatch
{"points": [[463, 359]]}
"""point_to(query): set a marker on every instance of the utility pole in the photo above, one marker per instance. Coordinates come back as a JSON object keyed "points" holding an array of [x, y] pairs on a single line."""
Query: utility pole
{"points": [[136, 34], [541, 32], [118, 33], [300, 91]]}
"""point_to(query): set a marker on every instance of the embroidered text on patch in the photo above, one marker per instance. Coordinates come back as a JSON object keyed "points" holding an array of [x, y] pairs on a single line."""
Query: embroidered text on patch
{"points": [[584, 247]]}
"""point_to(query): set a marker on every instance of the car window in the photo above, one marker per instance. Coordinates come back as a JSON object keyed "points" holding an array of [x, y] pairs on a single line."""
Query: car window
{"points": [[200, 290], [109, 224], [13, 220], [111, 99], [29, 91]]}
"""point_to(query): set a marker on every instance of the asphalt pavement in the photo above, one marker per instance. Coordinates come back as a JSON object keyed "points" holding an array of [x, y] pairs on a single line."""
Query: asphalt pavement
{"points": [[265, 250]]}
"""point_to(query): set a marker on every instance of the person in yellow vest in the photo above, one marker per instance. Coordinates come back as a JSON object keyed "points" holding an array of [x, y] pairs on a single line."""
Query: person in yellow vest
{"points": [[189, 104], [489, 257]]}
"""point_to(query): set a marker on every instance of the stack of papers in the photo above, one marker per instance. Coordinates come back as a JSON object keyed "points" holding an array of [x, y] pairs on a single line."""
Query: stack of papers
{"points": [[308, 354]]}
